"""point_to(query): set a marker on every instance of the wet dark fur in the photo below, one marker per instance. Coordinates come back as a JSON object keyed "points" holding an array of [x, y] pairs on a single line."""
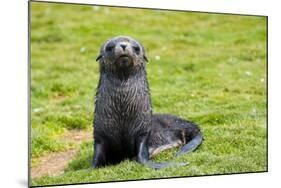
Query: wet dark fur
{"points": [[124, 126], [170, 130]]}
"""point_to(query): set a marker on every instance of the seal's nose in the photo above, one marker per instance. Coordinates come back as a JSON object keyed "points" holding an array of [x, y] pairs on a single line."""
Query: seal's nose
{"points": [[123, 46]]}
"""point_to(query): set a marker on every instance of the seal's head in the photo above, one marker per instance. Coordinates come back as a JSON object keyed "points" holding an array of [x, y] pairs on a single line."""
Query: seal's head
{"points": [[122, 52]]}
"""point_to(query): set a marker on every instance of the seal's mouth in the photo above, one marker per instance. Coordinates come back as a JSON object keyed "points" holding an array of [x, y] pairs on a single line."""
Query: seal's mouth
{"points": [[124, 61]]}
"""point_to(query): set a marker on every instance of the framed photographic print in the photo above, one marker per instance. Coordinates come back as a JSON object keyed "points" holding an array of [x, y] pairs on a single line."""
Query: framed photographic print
{"points": [[123, 93]]}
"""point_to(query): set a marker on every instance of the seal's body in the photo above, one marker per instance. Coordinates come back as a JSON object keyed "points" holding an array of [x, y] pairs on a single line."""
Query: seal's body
{"points": [[124, 126]]}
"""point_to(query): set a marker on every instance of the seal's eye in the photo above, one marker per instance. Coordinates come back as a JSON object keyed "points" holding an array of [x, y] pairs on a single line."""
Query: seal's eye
{"points": [[137, 49], [109, 48]]}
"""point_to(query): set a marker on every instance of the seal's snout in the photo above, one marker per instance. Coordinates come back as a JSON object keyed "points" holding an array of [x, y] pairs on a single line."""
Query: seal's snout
{"points": [[123, 54], [124, 61], [123, 46]]}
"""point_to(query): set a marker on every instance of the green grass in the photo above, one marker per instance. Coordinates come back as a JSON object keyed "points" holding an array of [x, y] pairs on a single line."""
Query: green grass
{"points": [[212, 70]]}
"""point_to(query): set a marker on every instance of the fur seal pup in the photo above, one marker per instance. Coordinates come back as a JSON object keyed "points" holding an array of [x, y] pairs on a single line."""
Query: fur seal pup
{"points": [[124, 126]]}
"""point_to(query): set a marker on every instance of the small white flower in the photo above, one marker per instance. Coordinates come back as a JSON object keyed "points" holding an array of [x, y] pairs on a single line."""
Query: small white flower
{"points": [[248, 73], [82, 49], [36, 110], [262, 79], [96, 8], [157, 57]]}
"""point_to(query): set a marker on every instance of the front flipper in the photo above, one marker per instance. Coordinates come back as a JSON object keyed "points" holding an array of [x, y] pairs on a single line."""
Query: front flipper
{"points": [[191, 145], [143, 156], [99, 155]]}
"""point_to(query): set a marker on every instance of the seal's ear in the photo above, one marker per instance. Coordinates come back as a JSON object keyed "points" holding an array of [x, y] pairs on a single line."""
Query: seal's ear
{"points": [[145, 58], [100, 56], [144, 54]]}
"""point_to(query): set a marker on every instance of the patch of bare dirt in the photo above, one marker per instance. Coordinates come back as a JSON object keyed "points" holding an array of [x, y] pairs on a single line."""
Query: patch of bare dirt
{"points": [[59, 97], [53, 164]]}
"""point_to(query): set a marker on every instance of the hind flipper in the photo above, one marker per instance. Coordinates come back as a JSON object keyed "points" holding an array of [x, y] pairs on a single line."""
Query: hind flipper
{"points": [[143, 156], [191, 145]]}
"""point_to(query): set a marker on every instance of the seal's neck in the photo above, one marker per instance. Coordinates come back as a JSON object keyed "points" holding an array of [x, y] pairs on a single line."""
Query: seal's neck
{"points": [[125, 75], [127, 94]]}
